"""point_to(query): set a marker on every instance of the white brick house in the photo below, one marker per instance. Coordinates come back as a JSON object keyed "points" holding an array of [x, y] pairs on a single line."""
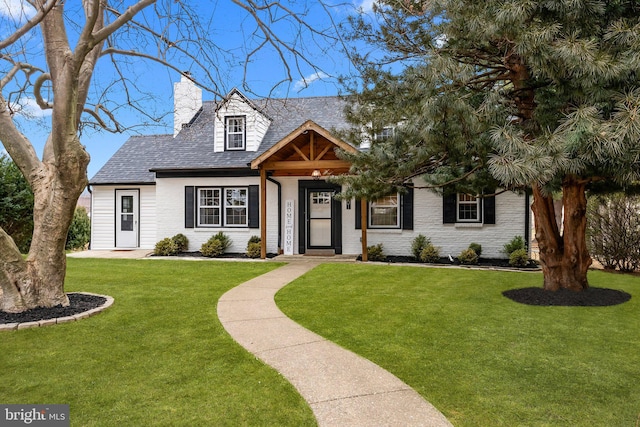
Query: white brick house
{"points": [[258, 168]]}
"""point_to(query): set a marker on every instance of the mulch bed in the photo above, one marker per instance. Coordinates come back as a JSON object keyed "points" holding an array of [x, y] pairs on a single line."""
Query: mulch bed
{"points": [[591, 297], [78, 303], [482, 262], [226, 255]]}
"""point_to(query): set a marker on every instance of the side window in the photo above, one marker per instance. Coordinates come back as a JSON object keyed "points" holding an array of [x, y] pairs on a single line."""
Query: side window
{"points": [[235, 206], [468, 208], [384, 212], [209, 207], [235, 133], [385, 133]]}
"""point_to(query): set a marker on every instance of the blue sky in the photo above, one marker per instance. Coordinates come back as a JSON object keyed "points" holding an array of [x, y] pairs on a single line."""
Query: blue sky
{"points": [[230, 29]]}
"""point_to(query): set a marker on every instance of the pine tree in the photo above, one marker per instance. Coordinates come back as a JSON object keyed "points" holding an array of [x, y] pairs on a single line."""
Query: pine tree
{"points": [[535, 95]]}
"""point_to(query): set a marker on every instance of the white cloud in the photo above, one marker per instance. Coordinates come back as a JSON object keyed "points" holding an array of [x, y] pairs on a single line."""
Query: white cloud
{"points": [[16, 9], [365, 5], [28, 107], [304, 82]]}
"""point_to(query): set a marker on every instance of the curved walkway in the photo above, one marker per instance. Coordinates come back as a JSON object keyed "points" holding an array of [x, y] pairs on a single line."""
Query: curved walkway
{"points": [[342, 388]]}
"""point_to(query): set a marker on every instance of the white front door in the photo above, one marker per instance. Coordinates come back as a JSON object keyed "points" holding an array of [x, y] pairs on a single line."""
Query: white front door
{"points": [[127, 218]]}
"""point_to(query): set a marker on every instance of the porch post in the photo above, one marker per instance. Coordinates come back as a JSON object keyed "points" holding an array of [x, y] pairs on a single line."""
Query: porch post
{"points": [[263, 213], [363, 227]]}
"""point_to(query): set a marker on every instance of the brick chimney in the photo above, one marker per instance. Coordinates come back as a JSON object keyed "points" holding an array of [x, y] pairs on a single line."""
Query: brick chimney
{"points": [[187, 100]]}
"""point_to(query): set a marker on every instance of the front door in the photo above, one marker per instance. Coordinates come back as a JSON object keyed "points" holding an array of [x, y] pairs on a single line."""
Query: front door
{"points": [[127, 218], [320, 220]]}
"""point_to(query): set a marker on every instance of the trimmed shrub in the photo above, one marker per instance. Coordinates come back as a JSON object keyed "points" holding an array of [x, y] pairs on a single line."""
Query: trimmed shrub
{"points": [[254, 248], [79, 231], [165, 247], [216, 245], [181, 241], [477, 248], [212, 248], [468, 257], [375, 253], [516, 243], [430, 253], [519, 258], [418, 244]]}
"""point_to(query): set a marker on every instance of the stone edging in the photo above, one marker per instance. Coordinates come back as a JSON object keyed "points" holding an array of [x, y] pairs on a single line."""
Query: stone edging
{"points": [[57, 320]]}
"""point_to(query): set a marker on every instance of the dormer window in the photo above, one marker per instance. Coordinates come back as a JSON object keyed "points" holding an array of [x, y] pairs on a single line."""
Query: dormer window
{"points": [[385, 133], [235, 133]]}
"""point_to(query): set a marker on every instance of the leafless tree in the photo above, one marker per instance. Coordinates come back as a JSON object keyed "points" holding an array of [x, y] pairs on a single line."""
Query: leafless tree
{"points": [[51, 54]]}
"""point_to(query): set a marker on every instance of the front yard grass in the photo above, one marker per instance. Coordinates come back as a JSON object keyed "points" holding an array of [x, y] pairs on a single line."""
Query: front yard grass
{"points": [[480, 358], [158, 356]]}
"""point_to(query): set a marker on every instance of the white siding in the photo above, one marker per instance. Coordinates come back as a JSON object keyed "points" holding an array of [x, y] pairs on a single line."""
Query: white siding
{"points": [[450, 238], [256, 123], [171, 213], [103, 216]]}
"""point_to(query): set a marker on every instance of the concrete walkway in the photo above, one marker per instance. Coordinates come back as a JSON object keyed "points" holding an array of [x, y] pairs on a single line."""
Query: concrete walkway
{"points": [[342, 388]]}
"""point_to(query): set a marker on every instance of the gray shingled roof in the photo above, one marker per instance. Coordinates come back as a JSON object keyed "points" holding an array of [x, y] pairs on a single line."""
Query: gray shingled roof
{"points": [[193, 148]]}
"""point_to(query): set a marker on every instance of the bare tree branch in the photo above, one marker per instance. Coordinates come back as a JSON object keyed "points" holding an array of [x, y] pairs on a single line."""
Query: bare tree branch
{"points": [[31, 23]]}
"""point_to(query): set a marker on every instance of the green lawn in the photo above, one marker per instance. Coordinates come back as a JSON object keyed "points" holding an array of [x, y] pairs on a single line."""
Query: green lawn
{"points": [[480, 358], [158, 356]]}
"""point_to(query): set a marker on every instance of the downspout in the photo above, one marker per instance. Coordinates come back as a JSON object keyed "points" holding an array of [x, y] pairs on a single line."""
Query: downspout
{"points": [[279, 185], [90, 213]]}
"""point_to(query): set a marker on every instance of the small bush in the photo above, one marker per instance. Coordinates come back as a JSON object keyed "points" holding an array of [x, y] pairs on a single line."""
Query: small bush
{"points": [[166, 247], [418, 244], [212, 248], [79, 231], [468, 256], [181, 241], [375, 253], [515, 244], [216, 245], [477, 248], [519, 258], [430, 253], [254, 248]]}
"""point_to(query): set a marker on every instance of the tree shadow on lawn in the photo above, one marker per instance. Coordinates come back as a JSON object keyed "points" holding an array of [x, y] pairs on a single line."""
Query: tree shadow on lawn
{"points": [[591, 297]]}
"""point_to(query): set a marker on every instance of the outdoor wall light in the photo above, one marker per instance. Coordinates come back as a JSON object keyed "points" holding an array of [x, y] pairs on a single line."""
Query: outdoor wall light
{"points": [[316, 174]]}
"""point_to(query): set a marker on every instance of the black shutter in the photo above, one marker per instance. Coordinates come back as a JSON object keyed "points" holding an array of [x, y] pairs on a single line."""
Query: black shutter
{"points": [[358, 211], [449, 202], [254, 206], [406, 203], [189, 206], [489, 210]]}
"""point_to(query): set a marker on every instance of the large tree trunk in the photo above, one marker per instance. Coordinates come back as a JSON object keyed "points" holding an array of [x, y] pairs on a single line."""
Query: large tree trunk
{"points": [[564, 257], [38, 280]]}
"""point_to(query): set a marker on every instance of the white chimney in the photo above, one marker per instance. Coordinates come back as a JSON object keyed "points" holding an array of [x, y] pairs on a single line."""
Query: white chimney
{"points": [[187, 100]]}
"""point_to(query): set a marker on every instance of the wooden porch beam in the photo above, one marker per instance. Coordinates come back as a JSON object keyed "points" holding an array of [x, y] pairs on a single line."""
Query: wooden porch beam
{"points": [[299, 151], [312, 145], [263, 213], [300, 165], [323, 152]]}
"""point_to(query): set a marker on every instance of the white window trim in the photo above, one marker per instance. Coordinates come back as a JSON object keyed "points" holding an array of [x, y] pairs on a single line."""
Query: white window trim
{"points": [[465, 202], [380, 136], [200, 206], [227, 133], [246, 206], [398, 213]]}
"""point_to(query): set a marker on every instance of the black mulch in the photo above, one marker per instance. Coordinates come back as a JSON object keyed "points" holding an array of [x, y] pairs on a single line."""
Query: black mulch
{"points": [[227, 255], [592, 297], [78, 303], [482, 262]]}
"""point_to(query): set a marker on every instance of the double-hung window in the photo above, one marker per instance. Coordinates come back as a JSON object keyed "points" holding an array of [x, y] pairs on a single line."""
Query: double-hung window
{"points": [[235, 133], [209, 214], [385, 133], [468, 208], [385, 212], [235, 206]]}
